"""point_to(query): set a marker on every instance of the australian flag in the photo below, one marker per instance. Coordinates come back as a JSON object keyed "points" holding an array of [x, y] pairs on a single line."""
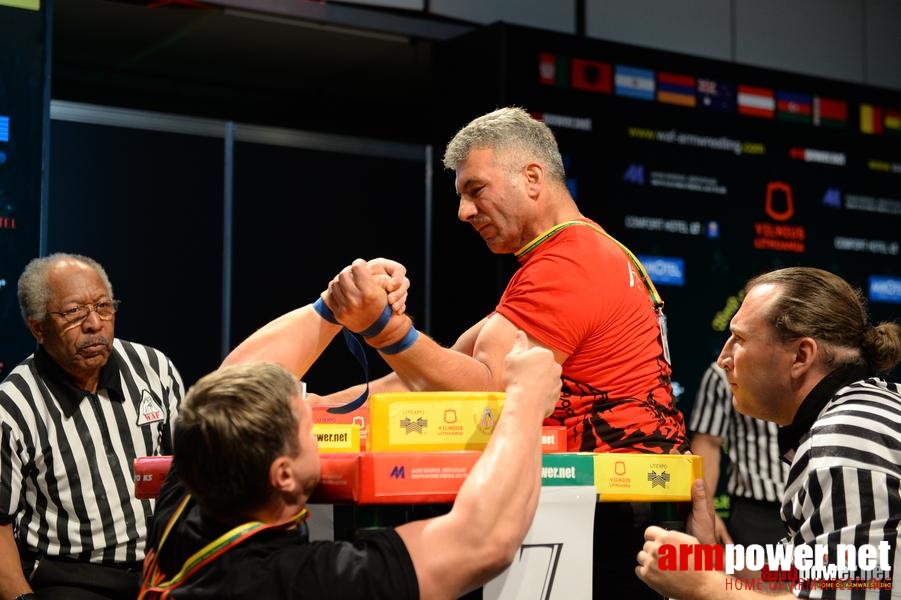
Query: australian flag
{"points": [[716, 95]]}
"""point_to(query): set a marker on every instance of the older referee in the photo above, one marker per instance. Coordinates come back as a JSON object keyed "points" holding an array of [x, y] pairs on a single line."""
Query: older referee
{"points": [[73, 416]]}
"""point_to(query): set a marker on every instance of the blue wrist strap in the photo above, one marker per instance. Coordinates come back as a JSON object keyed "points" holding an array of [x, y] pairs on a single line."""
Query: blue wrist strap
{"points": [[356, 348], [359, 352], [377, 327], [405, 342], [324, 311]]}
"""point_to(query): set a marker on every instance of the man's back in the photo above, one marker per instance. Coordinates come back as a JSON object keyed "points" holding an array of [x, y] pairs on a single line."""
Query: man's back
{"points": [[272, 562], [845, 478], [579, 293]]}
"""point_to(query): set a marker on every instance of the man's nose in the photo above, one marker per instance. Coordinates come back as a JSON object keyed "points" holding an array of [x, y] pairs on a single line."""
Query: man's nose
{"points": [[724, 360], [92, 321], [466, 210]]}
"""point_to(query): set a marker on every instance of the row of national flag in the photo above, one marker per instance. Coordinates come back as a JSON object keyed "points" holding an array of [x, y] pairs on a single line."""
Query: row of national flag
{"points": [[877, 120], [696, 92]]}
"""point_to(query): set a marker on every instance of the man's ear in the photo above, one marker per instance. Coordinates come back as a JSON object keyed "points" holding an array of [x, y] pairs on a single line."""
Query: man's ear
{"points": [[534, 174], [37, 329], [281, 476], [805, 356]]}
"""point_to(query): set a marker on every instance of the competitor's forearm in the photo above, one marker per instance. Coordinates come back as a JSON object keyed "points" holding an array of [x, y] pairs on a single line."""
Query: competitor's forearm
{"points": [[294, 340]]}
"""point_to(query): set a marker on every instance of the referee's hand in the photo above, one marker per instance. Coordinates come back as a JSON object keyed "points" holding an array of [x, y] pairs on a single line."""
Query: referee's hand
{"points": [[701, 523]]}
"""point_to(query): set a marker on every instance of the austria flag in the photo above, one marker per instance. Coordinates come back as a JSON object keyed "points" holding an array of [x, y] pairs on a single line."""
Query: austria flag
{"points": [[756, 102]]}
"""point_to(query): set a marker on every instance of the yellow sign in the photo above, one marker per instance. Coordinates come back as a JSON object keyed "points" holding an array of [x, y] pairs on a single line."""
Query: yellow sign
{"points": [[433, 421], [26, 4], [337, 437], [623, 477]]}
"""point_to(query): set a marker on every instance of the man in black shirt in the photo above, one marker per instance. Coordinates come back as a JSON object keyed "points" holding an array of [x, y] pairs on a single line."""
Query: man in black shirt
{"points": [[229, 520]]}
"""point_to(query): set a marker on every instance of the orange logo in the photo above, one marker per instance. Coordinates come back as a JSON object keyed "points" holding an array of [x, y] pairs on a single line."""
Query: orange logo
{"points": [[779, 189], [779, 207]]}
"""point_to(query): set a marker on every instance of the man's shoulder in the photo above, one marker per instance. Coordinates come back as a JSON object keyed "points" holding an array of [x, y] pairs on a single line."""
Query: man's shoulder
{"points": [[860, 418], [576, 249], [872, 392], [134, 351], [122, 344], [21, 371], [265, 562], [588, 249]]}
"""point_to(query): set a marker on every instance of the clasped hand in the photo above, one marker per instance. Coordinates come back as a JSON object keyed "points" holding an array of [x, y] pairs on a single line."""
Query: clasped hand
{"points": [[357, 295]]}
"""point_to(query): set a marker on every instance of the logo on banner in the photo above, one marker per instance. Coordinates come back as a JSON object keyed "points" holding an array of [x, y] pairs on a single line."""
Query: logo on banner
{"points": [[411, 426], [664, 270], [779, 205], [564, 121], [885, 289], [832, 197], [361, 423], [662, 479], [486, 421], [780, 202], [634, 174]]}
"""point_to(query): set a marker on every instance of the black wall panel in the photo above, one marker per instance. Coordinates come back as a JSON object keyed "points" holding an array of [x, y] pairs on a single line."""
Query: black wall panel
{"points": [[148, 206], [301, 216], [24, 43]]}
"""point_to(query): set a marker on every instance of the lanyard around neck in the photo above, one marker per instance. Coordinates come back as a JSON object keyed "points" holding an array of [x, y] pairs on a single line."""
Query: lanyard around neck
{"points": [[213, 550], [645, 279]]}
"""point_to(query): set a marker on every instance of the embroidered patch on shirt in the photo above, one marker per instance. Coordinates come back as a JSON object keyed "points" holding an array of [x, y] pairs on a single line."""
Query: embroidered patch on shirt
{"points": [[150, 410]]}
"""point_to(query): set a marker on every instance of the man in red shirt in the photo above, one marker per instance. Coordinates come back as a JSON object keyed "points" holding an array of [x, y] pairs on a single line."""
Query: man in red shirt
{"points": [[578, 292]]}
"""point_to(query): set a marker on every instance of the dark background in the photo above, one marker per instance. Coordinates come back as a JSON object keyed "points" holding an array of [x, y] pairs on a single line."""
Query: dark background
{"points": [[23, 101]]}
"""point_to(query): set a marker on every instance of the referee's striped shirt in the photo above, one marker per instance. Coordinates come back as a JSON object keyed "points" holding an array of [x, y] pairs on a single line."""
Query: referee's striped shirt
{"points": [[844, 486], [756, 470], [66, 456]]}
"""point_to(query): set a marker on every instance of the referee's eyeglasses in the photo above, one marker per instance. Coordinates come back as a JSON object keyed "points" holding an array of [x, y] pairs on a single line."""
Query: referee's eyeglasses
{"points": [[105, 309]]}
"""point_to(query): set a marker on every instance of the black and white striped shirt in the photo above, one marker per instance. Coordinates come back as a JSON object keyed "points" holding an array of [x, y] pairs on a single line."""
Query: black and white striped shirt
{"points": [[756, 469], [844, 485], [66, 456]]}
